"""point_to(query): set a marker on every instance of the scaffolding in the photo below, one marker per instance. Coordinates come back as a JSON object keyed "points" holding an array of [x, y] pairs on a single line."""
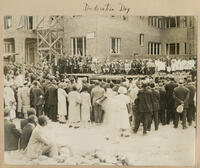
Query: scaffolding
{"points": [[50, 33]]}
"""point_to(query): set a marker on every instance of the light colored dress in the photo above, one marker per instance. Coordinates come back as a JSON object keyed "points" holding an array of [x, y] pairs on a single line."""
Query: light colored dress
{"points": [[85, 106], [62, 104], [9, 101], [37, 143], [74, 99], [122, 116]]}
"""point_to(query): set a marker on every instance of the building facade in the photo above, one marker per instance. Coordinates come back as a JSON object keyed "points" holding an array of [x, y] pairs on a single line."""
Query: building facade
{"points": [[126, 37], [27, 38]]}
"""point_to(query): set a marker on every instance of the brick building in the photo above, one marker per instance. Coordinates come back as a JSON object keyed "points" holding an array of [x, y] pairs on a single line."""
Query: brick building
{"points": [[102, 37], [126, 37]]}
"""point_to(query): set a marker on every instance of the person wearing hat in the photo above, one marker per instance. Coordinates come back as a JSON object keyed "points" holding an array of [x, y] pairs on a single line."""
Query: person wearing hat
{"points": [[144, 107], [37, 98], [11, 133], [97, 93], [23, 97], [169, 87], [181, 96], [191, 105], [51, 97], [62, 103]]}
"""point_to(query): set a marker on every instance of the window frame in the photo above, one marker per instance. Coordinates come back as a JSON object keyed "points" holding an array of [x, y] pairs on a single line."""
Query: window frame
{"points": [[118, 45]]}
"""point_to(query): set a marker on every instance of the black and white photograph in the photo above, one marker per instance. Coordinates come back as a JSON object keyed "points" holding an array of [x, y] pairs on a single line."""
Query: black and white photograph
{"points": [[100, 90]]}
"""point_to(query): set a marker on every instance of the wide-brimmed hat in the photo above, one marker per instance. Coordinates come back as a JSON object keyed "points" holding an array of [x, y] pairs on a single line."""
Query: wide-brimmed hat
{"points": [[122, 90]]}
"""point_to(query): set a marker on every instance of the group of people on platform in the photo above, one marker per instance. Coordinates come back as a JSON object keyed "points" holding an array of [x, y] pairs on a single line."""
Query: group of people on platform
{"points": [[129, 67], [119, 106]]}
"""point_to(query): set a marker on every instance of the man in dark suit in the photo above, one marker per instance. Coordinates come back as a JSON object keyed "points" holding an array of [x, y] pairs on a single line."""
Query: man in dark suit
{"points": [[37, 98], [52, 100], [163, 101], [144, 108], [97, 93], [11, 133], [27, 131], [191, 107], [24, 122], [170, 100], [156, 106], [181, 96]]}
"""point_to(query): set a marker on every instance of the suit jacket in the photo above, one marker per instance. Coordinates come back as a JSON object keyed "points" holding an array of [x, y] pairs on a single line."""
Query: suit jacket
{"points": [[181, 94], [26, 134], [156, 99], [169, 94], [11, 136], [192, 90], [96, 93], [36, 96], [51, 95], [163, 100], [144, 101], [23, 123]]}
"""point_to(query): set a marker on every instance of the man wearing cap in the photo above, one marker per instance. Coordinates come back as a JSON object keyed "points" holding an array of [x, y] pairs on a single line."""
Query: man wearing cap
{"points": [[144, 106], [181, 96], [191, 106], [170, 100], [96, 93]]}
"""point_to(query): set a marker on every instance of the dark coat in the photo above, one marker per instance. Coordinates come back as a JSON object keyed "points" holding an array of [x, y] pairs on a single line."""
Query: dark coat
{"points": [[51, 95], [163, 100], [144, 101], [11, 136], [169, 94], [156, 99], [181, 94], [36, 96], [192, 90], [23, 123], [26, 135]]}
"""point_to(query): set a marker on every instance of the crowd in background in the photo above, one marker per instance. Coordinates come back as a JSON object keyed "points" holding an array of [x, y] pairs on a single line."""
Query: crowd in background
{"points": [[128, 67], [122, 105]]}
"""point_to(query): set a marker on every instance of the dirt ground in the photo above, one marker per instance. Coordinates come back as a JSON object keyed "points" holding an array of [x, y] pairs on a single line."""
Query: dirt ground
{"points": [[167, 146]]}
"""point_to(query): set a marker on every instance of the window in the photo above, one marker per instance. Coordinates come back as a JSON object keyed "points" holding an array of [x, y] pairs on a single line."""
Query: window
{"points": [[172, 49], [28, 22], [190, 21], [9, 47], [78, 45], [142, 40], [7, 22], [115, 45], [154, 48], [185, 21], [185, 45], [172, 22]]}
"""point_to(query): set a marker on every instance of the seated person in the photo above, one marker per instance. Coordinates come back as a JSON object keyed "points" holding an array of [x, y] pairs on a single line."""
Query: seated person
{"points": [[39, 144], [24, 122], [27, 131], [11, 133]]}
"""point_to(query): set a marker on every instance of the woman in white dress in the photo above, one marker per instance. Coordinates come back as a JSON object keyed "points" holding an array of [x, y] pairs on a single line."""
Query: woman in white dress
{"points": [[62, 104], [9, 100], [122, 102], [74, 99], [85, 106]]}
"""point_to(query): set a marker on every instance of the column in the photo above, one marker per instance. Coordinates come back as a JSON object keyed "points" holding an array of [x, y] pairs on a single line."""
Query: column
{"points": [[20, 50], [160, 46], [153, 47], [72, 46]]}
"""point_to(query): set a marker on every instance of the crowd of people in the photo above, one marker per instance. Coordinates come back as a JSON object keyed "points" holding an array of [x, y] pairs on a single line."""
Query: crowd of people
{"points": [[38, 94], [128, 67]]}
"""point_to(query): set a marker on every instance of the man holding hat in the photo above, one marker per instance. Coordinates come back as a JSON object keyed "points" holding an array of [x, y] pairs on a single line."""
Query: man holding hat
{"points": [[181, 96]]}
